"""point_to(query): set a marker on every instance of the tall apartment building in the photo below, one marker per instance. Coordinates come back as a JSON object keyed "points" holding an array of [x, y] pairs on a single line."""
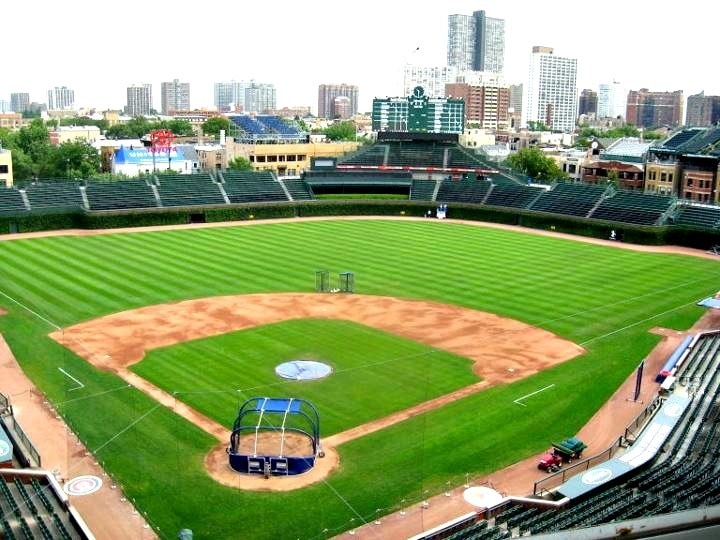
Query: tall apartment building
{"points": [[612, 100], [19, 102], [432, 79], [486, 105], [230, 96], [551, 90], [260, 97], [174, 96], [476, 42], [588, 103], [4, 106], [702, 110], [653, 109], [327, 94], [139, 100], [60, 98]]}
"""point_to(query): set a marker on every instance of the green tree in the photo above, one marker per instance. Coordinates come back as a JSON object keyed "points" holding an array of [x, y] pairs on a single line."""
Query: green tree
{"points": [[342, 131], [537, 126], [240, 163], [74, 159], [213, 126], [181, 128], [533, 163]]}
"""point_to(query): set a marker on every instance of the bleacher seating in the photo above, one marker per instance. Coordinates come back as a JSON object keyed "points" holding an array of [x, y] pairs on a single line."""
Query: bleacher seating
{"points": [[299, 190], [373, 155], [422, 190], [119, 195], [249, 186], [413, 154], [512, 195], [61, 195], [698, 216], [249, 124], [464, 191], [11, 201], [631, 207], [460, 158], [188, 190], [569, 199], [277, 125]]}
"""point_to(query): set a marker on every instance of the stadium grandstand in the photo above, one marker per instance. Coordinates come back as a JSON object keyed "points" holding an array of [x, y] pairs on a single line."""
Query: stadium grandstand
{"points": [[663, 478], [33, 504]]}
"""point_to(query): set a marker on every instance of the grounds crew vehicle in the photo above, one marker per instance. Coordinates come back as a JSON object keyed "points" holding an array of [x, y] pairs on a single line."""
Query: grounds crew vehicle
{"points": [[564, 451]]}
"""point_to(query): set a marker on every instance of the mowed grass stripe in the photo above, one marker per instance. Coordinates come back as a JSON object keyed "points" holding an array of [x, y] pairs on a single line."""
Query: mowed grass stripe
{"points": [[597, 290]]}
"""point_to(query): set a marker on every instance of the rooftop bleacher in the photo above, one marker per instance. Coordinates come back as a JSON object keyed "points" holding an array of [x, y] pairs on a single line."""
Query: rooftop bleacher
{"points": [[11, 201], [250, 186], [679, 137], [698, 216], [569, 199], [120, 195], [61, 195], [631, 207], [248, 124], [277, 124], [705, 142], [188, 190]]}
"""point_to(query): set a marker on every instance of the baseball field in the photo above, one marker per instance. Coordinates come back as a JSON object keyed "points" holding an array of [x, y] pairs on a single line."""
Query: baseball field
{"points": [[598, 299]]}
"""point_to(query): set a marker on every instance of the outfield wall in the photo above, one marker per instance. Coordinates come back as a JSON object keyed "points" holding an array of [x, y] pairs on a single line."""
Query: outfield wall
{"points": [[637, 234]]}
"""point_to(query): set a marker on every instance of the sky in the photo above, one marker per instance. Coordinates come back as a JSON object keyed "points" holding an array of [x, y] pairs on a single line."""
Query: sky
{"points": [[100, 48]]}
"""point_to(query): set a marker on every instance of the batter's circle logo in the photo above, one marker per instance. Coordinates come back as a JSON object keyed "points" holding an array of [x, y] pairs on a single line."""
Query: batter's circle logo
{"points": [[673, 410], [82, 485], [596, 476], [4, 448]]}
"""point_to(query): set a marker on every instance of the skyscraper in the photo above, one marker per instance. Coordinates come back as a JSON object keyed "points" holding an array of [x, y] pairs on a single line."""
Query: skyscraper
{"points": [[551, 91], [612, 99], [230, 96], [588, 102], [19, 102], [327, 94], [60, 98], [174, 96], [476, 42], [139, 100], [259, 97], [703, 110]]}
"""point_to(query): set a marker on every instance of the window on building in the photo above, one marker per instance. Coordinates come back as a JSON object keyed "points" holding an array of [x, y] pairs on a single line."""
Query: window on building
{"points": [[689, 182], [662, 176], [4, 169]]}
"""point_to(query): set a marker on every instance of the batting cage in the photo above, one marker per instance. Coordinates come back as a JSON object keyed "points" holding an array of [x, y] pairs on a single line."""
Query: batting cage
{"points": [[275, 436]]}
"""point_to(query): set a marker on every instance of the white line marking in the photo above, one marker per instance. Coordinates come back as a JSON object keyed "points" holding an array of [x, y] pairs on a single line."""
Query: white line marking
{"points": [[518, 400], [80, 385], [55, 326]]}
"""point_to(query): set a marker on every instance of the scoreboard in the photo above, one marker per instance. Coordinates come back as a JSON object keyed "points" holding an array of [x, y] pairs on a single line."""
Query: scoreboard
{"points": [[418, 113]]}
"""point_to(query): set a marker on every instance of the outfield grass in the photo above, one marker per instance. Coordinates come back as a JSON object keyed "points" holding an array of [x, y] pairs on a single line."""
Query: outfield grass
{"points": [[216, 375], [601, 297]]}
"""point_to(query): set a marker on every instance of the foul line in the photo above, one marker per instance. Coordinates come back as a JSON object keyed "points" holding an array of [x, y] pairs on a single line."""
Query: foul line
{"points": [[78, 387], [55, 326], [518, 400]]}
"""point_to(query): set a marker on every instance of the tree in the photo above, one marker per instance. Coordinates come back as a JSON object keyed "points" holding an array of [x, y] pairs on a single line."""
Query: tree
{"points": [[181, 128], [537, 126], [240, 164], [342, 131], [74, 159], [213, 126], [533, 163]]}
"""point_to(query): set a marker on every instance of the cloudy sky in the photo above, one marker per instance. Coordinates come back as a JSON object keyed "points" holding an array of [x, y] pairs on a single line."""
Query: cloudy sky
{"points": [[99, 48]]}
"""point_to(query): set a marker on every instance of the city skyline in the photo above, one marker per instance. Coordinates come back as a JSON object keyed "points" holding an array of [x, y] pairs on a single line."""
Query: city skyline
{"points": [[370, 51]]}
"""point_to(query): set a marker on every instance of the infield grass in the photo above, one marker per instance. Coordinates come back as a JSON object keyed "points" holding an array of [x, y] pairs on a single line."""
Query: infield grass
{"points": [[603, 298]]}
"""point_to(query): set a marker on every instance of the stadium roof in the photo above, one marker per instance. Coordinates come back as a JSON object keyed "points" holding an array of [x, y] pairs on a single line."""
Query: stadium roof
{"points": [[625, 149]]}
